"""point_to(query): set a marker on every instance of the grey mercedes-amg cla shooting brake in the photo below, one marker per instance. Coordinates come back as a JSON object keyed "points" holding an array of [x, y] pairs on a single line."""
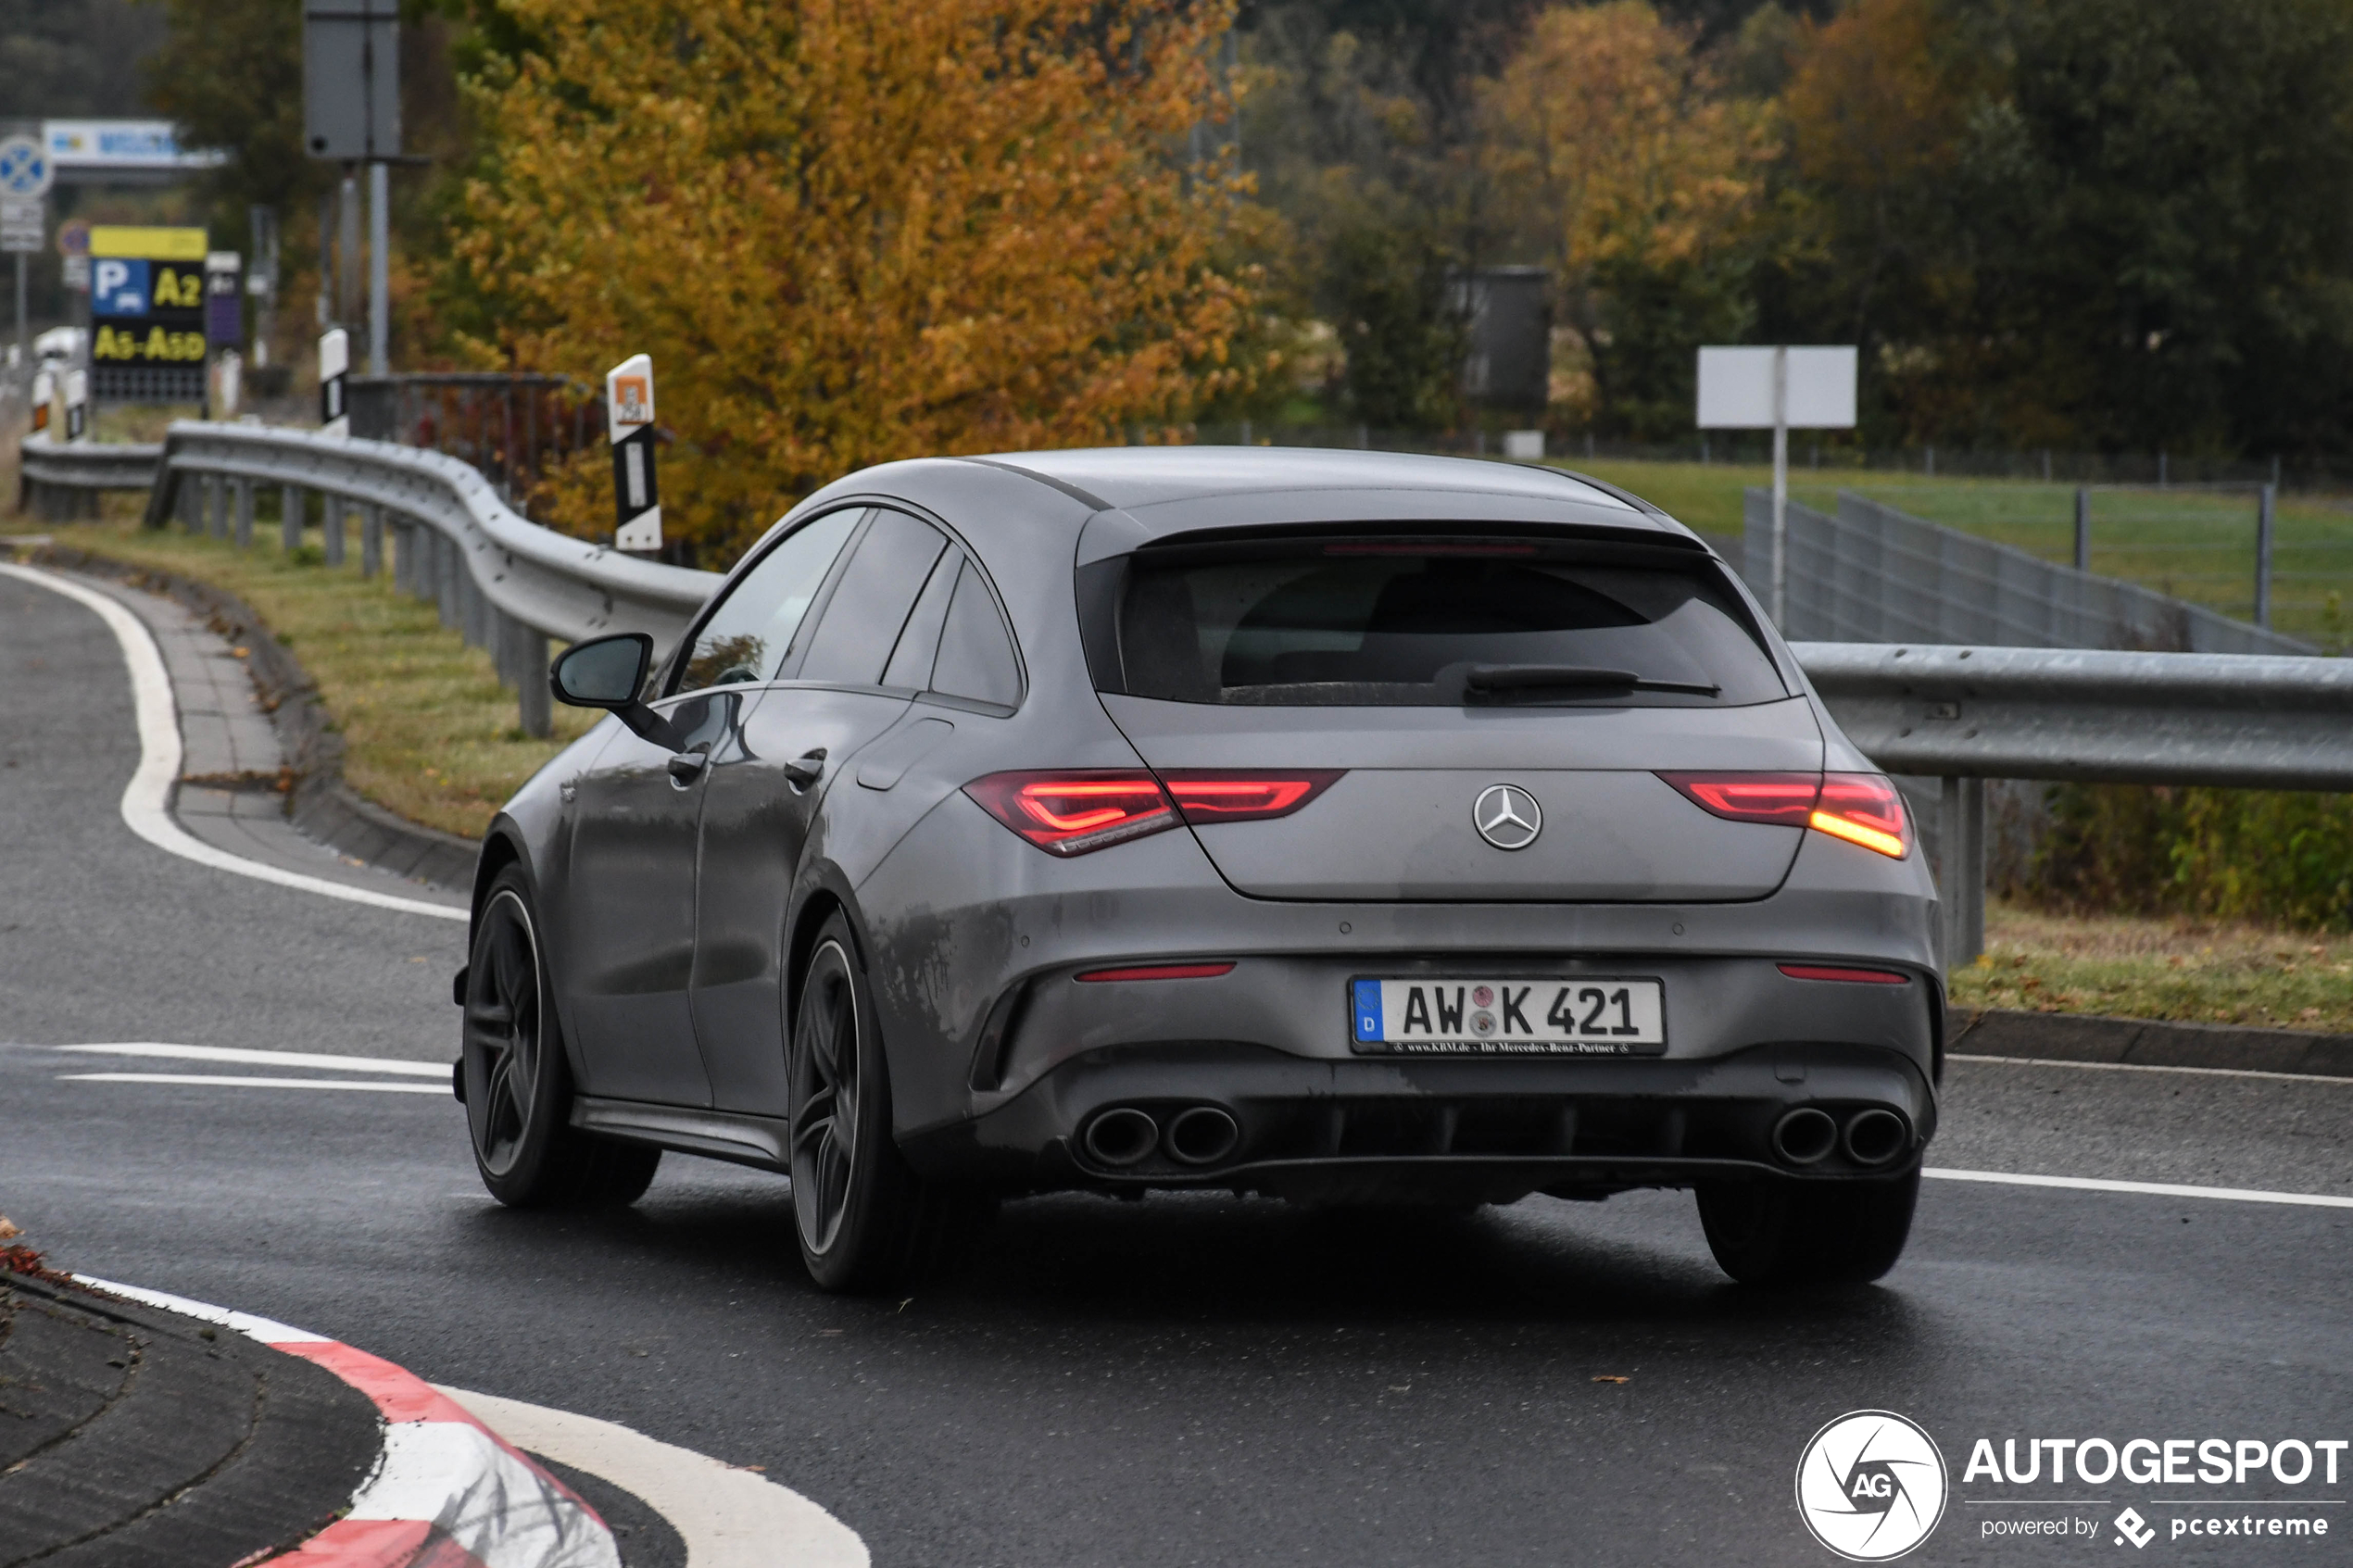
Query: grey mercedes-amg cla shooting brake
{"points": [[1349, 828]]}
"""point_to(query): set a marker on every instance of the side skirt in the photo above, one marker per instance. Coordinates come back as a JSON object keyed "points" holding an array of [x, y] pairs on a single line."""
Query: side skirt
{"points": [[758, 1141]]}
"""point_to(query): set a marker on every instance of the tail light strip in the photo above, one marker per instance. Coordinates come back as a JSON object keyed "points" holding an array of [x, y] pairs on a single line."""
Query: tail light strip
{"points": [[1864, 808], [1071, 811]]}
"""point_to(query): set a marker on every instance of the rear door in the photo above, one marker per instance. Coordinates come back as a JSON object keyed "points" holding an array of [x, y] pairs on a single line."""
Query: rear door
{"points": [[836, 694], [1501, 705]]}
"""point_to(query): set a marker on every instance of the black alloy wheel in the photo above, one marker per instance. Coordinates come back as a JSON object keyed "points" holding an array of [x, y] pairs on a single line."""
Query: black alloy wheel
{"points": [[518, 1091], [865, 1220]]}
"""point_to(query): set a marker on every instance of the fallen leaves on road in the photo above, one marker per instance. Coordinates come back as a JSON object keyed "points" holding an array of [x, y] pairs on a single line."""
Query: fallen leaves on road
{"points": [[1607, 1378]]}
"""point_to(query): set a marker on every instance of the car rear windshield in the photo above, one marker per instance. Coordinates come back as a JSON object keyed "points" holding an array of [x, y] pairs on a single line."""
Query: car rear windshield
{"points": [[1346, 623]]}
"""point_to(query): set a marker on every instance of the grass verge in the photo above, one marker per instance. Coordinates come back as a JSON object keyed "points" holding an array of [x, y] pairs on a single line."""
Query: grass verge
{"points": [[2133, 966], [428, 733]]}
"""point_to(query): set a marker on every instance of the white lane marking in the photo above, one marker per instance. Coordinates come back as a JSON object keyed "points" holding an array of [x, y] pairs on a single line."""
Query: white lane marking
{"points": [[2156, 1067], [147, 799], [2151, 1189], [729, 1518], [269, 1331], [265, 1059], [218, 1081]]}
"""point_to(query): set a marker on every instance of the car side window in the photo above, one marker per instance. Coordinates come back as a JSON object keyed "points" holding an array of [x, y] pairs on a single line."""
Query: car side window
{"points": [[910, 662], [860, 624], [745, 636], [977, 657]]}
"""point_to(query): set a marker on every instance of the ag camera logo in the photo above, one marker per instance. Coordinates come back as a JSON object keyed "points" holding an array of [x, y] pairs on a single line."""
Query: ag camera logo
{"points": [[1871, 1485]]}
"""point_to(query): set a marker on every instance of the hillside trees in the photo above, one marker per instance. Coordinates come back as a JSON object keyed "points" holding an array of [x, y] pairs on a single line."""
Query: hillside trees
{"points": [[850, 233]]}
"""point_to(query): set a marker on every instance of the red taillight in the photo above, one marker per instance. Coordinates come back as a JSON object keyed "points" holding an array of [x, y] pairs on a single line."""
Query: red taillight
{"points": [[1752, 798], [1860, 807], [1071, 811], [1162, 972], [1863, 809], [1855, 976], [1245, 795]]}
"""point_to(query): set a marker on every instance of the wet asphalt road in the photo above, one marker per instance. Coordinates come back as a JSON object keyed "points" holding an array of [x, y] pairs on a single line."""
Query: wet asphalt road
{"points": [[1181, 1381]]}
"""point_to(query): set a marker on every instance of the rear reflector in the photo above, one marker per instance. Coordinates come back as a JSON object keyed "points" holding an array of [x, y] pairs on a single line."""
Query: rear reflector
{"points": [[1862, 809], [1244, 794], [1073, 811], [1858, 976], [1162, 972]]}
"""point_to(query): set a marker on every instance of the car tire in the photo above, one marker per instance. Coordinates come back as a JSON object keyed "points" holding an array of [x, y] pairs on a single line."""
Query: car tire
{"points": [[1794, 1233], [864, 1219], [518, 1088]]}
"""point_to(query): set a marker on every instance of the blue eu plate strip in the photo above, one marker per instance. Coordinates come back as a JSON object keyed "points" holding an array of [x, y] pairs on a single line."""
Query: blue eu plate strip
{"points": [[1368, 1017]]}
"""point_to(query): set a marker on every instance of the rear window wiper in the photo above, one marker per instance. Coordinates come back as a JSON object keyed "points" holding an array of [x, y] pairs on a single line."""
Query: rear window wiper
{"points": [[1571, 677]]}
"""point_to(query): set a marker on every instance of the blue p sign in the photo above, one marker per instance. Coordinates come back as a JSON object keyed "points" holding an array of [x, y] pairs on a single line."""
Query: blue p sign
{"points": [[118, 287]]}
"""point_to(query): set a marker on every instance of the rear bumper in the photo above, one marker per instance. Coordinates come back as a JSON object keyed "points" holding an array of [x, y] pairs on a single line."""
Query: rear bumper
{"points": [[1439, 1129]]}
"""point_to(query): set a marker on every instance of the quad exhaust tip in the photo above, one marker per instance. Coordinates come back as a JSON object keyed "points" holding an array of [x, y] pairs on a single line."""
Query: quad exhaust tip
{"points": [[1122, 1136], [1805, 1137], [1203, 1135], [1876, 1136]]}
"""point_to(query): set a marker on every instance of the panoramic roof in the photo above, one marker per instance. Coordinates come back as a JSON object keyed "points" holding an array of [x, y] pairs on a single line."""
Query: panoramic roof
{"points": [[1145, 476]]}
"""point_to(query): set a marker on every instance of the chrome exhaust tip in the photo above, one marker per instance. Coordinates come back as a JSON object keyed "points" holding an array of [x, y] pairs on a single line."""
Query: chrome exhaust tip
{"points": [[1121, 1137], [1805, 1137], [1203, 1135]]}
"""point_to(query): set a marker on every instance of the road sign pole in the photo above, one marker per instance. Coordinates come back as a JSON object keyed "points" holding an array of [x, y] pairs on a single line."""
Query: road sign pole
{"points": [[1781, 486], [379, 269], [20, 337]]}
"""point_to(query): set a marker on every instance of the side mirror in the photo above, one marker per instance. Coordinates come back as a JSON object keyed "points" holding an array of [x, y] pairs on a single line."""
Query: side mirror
{"points": [[609, 672], [602, 671]]}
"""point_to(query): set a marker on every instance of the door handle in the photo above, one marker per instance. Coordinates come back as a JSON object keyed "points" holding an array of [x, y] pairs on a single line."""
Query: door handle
{"points": [[687, 767], [805, 769]]}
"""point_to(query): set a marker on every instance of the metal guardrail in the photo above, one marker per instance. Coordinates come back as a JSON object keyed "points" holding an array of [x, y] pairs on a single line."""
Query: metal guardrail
{"points": [[1959, 714], [59, 480], [508, 585], [1969, 714]]}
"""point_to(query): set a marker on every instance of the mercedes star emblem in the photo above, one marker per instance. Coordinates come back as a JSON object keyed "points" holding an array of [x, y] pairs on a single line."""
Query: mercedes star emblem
{"points": [[1507, 817]]}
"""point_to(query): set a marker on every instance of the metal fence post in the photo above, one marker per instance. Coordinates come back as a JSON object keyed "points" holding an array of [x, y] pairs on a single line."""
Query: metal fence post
{"points": [[2266, 509], [372, 539], [330, 530], [2083, 529], [245, 514], [1962, 845], [292, 504], [536, 704]]}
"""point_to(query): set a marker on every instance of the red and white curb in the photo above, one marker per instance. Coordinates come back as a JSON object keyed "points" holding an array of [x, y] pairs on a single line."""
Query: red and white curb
{"points": [[446, 1492]]}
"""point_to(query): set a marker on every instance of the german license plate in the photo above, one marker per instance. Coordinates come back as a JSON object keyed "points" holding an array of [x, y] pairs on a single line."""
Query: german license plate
{"points": [[1589, 1016]]}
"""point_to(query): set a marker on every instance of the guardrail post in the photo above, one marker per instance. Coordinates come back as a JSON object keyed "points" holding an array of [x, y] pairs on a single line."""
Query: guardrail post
{"points": [[527, 651], [292, 504], [216, 506], [2083, 529], [189, 492], [2266, 509], [1962, 869], [404, 555], [244, 513], [445, 578], [471, 604], [371, 540], [330, 530]]}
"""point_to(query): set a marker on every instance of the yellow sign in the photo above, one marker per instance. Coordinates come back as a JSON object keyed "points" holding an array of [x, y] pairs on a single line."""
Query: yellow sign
{"points": [[155, 245]]}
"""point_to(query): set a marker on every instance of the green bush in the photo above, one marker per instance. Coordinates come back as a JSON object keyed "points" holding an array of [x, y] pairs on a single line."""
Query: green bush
{"points": [[2279, 858]]}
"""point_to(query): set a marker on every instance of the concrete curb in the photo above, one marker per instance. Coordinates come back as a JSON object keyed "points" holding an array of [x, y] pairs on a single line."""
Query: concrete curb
{"points": [[447, 1491], [2141, 1042], [320, 804]]}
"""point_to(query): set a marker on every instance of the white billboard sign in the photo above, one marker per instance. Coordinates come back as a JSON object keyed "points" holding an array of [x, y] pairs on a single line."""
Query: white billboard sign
{"points": [[1736, 389]]}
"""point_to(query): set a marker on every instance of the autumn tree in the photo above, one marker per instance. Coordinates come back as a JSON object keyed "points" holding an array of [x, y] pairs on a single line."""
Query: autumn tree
{"points": [[1632, 176], [849, 232]]}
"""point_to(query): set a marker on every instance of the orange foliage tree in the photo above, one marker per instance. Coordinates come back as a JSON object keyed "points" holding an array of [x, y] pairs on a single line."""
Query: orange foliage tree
{"points": [[850, 231], [1616, 157]]}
